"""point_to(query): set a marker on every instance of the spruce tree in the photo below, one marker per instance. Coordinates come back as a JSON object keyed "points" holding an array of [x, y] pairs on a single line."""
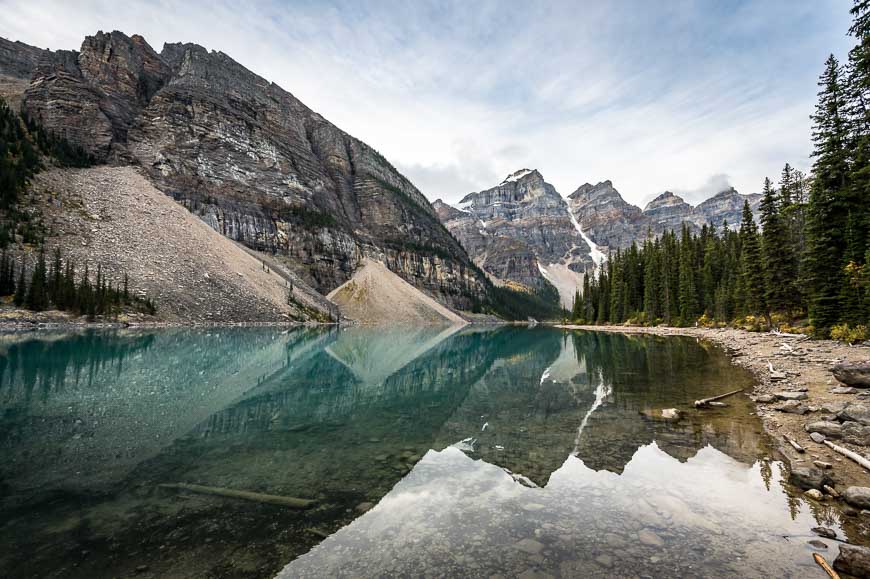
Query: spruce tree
{"points": [[776, 251], [751, 266], [828, 206]]}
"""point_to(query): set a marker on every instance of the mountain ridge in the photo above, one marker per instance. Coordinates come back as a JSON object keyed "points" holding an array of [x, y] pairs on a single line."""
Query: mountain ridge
{"points": [[245, 156]]}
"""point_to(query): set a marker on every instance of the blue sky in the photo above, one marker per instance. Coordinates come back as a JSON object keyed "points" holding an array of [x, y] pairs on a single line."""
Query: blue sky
{"points": [[689, 96]]}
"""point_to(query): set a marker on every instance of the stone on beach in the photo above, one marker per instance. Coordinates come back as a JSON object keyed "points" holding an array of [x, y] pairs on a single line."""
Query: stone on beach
{"points": [[857, 375]]}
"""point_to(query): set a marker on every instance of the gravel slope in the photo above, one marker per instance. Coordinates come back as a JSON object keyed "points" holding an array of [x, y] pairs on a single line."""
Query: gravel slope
{"points": [[113, 216], [376, 295]]}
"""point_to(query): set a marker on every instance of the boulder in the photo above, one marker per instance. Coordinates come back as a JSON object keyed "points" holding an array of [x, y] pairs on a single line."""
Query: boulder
{"points": [[808, 477], [817, 437], [814, 494], [854, 560], [856, 412], [833, 407], [856, 433], [857, 375], [766, 398], [830, 429], [858, 497], [791, 395], [792, 407]]}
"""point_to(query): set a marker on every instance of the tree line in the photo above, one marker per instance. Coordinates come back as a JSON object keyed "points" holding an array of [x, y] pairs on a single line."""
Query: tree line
{"points": [[808, 256], [57, 285]]}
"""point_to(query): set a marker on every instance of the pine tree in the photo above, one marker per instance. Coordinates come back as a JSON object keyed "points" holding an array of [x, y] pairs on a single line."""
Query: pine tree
{"points": [[21, 286], [751, 266], [688, 298], [828, 206], [776, 251], [37, 293]]}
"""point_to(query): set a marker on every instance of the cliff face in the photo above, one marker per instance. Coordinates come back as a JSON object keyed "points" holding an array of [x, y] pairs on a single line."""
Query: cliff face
{"points": [[17, 63], [249, 159], [521, 231]]}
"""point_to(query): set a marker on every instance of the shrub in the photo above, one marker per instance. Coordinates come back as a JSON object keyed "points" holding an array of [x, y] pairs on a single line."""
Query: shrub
{"points": [[844, 333]]}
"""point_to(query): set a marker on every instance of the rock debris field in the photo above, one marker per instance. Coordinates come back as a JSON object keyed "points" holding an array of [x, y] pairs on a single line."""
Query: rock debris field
{"points": [[113, 216]]}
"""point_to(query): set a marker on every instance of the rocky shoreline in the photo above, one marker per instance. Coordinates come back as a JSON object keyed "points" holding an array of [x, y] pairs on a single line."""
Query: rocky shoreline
{"points": [[798, 392], [797, 397]]}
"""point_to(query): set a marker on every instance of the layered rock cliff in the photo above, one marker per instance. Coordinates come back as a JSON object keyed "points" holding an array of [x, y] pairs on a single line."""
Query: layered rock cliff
{"points": [[521, 231], [249, 159]]}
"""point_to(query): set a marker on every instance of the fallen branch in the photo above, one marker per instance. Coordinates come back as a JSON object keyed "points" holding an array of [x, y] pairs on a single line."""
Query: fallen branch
{"points": [[820, 561], [793, 443], [705, 402], [786, 335], [292, 502], [848, 453]]}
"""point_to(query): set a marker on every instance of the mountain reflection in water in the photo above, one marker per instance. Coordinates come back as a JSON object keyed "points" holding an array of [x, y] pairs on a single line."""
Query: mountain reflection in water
{"points": [[463, 451]]}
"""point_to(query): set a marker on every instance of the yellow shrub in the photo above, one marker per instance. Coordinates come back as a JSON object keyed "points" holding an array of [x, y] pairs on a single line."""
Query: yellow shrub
{"points": [[844, 333]]}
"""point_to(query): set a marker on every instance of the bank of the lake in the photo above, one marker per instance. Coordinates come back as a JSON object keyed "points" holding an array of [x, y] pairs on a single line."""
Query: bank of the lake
{"points": [[807, 366]]}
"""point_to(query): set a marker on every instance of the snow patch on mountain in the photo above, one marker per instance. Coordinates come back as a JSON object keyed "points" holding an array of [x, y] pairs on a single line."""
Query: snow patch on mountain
{"points": [[596, 254], [516, 176]]}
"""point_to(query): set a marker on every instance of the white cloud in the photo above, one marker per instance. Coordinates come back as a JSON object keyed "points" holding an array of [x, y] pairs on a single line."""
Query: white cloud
{"points": [[651, 96]]}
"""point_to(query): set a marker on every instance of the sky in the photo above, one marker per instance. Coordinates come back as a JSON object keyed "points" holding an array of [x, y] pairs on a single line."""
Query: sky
{"points": [[687, 96]]}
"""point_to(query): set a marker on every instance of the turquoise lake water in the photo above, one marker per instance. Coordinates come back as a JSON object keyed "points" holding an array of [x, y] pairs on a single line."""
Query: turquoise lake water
{"points": [[428, 452]]}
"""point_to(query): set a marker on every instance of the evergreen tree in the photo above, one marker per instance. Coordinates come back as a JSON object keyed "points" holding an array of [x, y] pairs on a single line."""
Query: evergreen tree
{"points": [[751, 266], [828, 207], [776, 251]]}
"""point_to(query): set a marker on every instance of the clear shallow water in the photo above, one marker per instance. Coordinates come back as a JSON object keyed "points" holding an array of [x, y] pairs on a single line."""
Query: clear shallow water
{"points": [[430, 452]]}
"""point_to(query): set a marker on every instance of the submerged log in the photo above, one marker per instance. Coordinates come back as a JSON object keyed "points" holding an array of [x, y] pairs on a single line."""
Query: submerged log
{"points": [[292, 502], [705, 402], [848, 453]]}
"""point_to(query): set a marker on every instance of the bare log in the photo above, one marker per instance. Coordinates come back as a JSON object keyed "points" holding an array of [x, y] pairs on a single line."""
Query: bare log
{"points": [[705, 402], [848, 453], [292, 502], [820, 561], [793, 443]]}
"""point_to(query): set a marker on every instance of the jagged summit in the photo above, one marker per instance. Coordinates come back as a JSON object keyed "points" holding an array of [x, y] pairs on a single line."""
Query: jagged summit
{"points": [[522, 173]]}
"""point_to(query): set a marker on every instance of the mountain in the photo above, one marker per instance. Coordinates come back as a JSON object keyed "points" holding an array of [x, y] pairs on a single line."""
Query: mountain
{"points": [[521, 231], [613, 223], [524, 231], [245, 156]]}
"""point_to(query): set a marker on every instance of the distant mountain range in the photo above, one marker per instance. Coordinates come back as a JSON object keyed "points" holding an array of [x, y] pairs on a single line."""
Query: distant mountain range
{"points": [[523, 231]]}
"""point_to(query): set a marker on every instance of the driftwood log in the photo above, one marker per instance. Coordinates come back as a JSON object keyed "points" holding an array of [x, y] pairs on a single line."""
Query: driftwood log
{"points": [[705, 402], [793, 443], [820, 561], [292, 502], [848, 453]]}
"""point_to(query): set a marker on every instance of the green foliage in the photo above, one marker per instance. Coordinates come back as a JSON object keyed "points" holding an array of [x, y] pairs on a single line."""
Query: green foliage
{"points": [[57, 285], [512, 304]]}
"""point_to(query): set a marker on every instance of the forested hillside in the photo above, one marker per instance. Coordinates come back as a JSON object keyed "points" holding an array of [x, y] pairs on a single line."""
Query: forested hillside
{"points": [[808, 255]]}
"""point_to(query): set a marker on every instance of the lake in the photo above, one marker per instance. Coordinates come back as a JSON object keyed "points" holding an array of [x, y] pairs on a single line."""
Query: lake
{"points": [[457, 451]]}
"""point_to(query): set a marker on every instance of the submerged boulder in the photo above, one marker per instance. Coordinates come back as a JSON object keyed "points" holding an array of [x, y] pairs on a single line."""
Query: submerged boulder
{"points": [[857, 375]]}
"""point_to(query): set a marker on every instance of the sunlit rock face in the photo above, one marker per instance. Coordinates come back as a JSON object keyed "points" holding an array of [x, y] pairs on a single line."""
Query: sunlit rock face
{"points": [[518, 230], [249, 158], [602, 212]]}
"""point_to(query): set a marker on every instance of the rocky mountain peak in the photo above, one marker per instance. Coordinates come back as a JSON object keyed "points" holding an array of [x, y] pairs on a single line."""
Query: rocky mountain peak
{"points": [[667, 199], [523, 174]]}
